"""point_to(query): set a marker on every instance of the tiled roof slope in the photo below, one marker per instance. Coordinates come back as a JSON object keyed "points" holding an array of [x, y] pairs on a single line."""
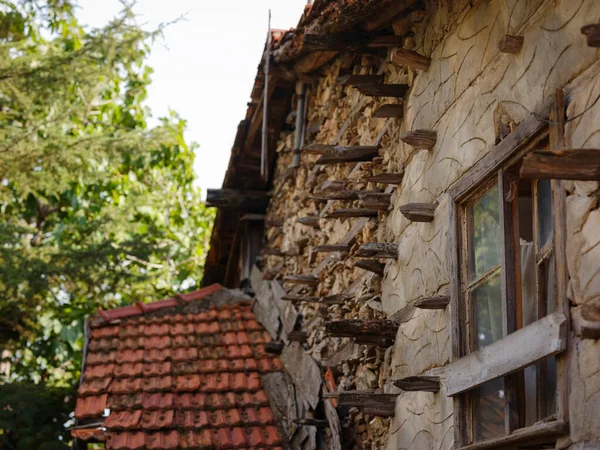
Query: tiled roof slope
{"points": [[178, 374]]}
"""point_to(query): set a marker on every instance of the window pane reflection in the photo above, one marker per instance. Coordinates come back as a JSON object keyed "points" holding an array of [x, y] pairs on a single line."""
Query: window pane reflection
{"points": [[487, 303], [488, 410], [486, 233], [544, 206]]}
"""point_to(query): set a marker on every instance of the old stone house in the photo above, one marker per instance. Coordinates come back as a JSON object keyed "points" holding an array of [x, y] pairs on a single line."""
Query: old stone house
{"points": [[412, 199]]}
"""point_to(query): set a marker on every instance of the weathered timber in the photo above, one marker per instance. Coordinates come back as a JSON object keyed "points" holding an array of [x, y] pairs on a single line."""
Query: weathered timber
{"points": [[377, 250], [387, 178], [274, 348], [358, 80], [420, 139], [297, 336], [375, 200], [386, 41], [371, 265], [405, 57], [352, 212], [433, 302], [358, 399], [311, 422], [387, 111], [300, 298], [308, 280], [592, 32], [336, 195], [336, 42], [419, 212], [272, 222], [316, 149], [544, 338], [419, 384], [380, 406], [539, 433], [329, 248], [272, 252], [250, 217], [231, 198], [383, 90], [511, 44], [341, 154], [337, 299], [333, 185], [382, 328], [569, 164], [311, 221]]}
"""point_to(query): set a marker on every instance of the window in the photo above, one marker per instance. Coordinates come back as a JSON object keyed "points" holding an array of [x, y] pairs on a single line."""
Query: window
{"points": [[504, 291]]}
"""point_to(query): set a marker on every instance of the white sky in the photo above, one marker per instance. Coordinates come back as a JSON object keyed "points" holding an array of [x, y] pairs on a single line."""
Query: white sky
{"points": [[205, 68]]}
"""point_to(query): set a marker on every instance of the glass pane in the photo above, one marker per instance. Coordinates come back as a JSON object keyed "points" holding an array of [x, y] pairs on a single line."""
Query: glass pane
{"points": [[488, 410], [528, 286], [540, 390], [548, 287], [486, 234], [544, 207], [487, 306]]}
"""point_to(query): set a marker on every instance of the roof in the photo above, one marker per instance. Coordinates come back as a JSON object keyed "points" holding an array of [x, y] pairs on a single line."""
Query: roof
{"points": [[184, 372]]}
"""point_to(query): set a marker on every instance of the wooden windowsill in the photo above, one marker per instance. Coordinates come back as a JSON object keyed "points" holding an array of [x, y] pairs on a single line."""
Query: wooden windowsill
{"points": [[525, 436]]}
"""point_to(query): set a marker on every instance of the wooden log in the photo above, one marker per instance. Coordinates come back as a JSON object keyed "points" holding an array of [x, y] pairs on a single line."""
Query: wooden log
{"points": [[334, 42], [338, 195], [377, 250], [433, 302], [272, 252], [358, 399], [511, 44], [231, 198], [274, 348], [333, 185], [311, 422], [419, 384], [375, 200], [308, 280], [297, 336], [380, 407], [381, 328], [405, 57], [387, 178], [389, 110], [420, 139], [569, 164], [337, 299], [592, 32], [311, 221], [358, 80], [383, 90], [316, 149], [330, 248], [352, 212], [340, 154], [419, 212], [386, 41], [370, 265]]}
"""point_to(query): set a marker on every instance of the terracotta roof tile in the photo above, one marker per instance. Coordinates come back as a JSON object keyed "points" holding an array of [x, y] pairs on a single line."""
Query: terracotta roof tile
{"points": [[131, 330], [118, 402], [123, 420], [158, 419], [154, 306], [157, 368], [196, 440], [157, 400], [128, 370], [129, 356], [91, 406], [184, 354], [126, 441], [100, 371], [126, 386], [105, 332], [187, 383], [156, 355], [157, 384], [86, 434], [190, 401], [163, 441], [192, 419], [157, 342], [94, 386]]}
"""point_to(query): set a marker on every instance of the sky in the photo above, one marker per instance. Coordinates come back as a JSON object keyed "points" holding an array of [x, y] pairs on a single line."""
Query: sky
{"points": [[204, 68]]}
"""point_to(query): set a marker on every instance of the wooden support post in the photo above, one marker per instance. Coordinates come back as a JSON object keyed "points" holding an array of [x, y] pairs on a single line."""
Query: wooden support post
{"points": [[352, 212], [381, 328], [375, 200], [383, 90], [420, 139], [387, 111], [330, 248], [358, 80], [592, 32], [274, 347], [377, 250], [419, 212], [569, 164], [308, 280], [511, 44], [231, 198], [433, 302], [371, 266], [310, 422], [333, 186], [297, 336], [311, 221], [387, 178], [419, 384], [341, 154], [316, 149], [405, 57]]}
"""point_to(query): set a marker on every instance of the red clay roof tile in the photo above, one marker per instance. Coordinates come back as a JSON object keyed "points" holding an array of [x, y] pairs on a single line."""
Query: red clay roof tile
{"points": [[129, 356], [100, 371], [126, 441], [196, 440], [128, 370], [163, 441], [156, 369], [94, 386], [118, 402], [85, 434], [156, 384], [91, 406], [158, 419], [184, 354], [105, 332], [192, 419], [187, 383], [190, 401], [157, 400], [123, 420], [126, 386], [153, 306]]}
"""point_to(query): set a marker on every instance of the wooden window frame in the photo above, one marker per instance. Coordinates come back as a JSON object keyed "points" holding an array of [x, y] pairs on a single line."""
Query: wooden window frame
{"points": [[490, 169]]}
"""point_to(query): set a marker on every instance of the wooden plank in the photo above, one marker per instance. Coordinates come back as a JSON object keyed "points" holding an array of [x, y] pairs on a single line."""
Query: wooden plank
{"points": [[420, 139], [328, 248], [375, 200], [272, 252], [387, 178], [337, 299], [316, 149], [386, 41], [311, 422], [510, 44], [383, 90], [308, 280], [419, 384], [352, 212], [333, 185], [253, 217], [389, 110], [358, 398], [274, 222], [380, 406], [544, 338], [274, 347], [536, 434], [337, 42], [304, 372], [358, 80], [340, 154], [592, 32], [337, 195], [410, 58], [377, 250], [311, 221], [297, 336], [568, 164], [356, 328], [231, 198], [370, 265], [433, 302], [419, 212]]}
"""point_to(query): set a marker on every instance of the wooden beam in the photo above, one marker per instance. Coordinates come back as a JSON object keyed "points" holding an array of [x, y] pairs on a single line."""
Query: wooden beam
{"points": [[358, 399], [536, 434], [329, 248], [352, 212], [337, 42], [389, 110], [420, 139], [544, 338], [419, 384], [297, 336], [383, 90], [433, 302], [592, 32], [419, 212], [253, 217], [308, 280], [375, 200], [405, 57], [311, 422], [380, 407], [333, 185], [358, 80], [370, 265], [382, 328], [356, 153], [387, 178], [337, 299], [316, 149], [311, 221], [386, 41], [511, 44], [273, 222], [569, 164], [231, 198], [272, 252], [336, 195], [385, 250], [274, 347]]}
